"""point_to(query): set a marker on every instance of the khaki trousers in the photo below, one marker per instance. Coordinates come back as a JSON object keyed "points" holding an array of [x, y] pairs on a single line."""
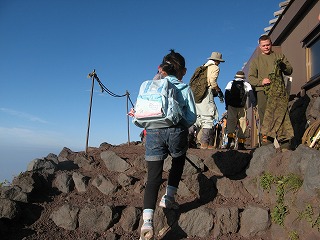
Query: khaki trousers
{"points": [[237, 116]]}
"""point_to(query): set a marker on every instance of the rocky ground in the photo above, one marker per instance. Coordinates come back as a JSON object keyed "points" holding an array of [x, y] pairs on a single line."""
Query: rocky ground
{"points": [[36, 222]]}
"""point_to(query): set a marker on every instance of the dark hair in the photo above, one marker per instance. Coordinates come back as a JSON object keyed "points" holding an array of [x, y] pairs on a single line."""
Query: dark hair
{"points": [[173, 63], [264, 38]]}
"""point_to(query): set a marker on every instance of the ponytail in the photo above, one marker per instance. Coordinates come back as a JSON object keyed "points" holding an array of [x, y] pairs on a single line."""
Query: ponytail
{"points": [[173, 63]]}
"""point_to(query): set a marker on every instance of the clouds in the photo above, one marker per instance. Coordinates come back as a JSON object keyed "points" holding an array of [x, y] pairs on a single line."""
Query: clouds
{"points": [[22, 115], [26, 129], [25, 136], [19, 145]]}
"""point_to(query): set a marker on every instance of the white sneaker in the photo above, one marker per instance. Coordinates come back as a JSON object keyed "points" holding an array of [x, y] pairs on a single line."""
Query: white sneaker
{"points": [[146, 232], [168, 202]]}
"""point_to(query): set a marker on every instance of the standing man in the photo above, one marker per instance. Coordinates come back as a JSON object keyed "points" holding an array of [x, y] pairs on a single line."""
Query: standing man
{"points": [[236, 95], [207, 109], [266, 76]]}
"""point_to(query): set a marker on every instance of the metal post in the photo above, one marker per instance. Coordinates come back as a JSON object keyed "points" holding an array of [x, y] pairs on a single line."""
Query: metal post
{"points": [[127, 93], [92, 75]]}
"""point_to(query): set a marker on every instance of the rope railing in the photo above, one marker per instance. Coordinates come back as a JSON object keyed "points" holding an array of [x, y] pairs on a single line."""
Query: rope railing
{"points": [[94, 77]]}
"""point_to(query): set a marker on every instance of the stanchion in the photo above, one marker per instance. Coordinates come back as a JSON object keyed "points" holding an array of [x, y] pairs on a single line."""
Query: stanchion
{"points": [[92, 75], [127, 93]]}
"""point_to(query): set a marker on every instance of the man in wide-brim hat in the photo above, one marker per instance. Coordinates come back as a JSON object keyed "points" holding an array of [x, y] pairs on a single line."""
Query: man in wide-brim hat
{"points": [[216, 56], [207, 110]]}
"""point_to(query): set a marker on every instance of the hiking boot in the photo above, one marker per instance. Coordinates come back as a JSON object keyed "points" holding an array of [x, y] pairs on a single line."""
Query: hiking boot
{"points": [[146, 232], [168, 202], [204, 146], [230, 144], [241, 146]]}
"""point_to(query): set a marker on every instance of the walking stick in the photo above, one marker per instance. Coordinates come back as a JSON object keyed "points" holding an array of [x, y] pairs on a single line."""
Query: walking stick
{"points": [[257, 120], [92, 75], [215, 137]]}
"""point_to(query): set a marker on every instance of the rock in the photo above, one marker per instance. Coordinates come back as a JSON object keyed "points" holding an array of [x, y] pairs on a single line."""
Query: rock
{"points": [[254, 221], [80, 181], [260, 159], [84, 162], [315, 108], [183, 190], [28, 182], [9, 209], [232, 189], [300, 159], [42, 165], [221, 201], [124, 180], [104, 185], [192, 183], [113, 162], [227, 221], [14, 193], [65, 155], [140, 162], [64, 182], [164, 221], [251, 184], [130, 218], [97, 219], [66, 217], [311, 183], [197, 222], [138, 188], [212, 166], [52, 157], [192, 166], [108, 236]]}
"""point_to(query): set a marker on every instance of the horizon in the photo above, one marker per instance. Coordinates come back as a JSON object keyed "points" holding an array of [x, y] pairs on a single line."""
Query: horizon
{"points": [[49, 48]]}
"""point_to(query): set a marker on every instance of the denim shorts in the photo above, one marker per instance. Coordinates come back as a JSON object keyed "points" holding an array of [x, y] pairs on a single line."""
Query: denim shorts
{"points": [[163, 141]]}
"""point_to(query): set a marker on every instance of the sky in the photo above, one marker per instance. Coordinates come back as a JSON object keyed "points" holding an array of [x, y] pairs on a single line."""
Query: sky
{"points": [[48, 48]]}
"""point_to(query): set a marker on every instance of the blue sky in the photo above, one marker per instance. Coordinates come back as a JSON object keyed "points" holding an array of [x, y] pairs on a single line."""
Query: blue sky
{"points": [[47, 49]]}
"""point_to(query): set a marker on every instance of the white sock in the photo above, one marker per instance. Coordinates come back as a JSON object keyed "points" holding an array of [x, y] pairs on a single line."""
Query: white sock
{"points": [[171, 191], [147, 215]]}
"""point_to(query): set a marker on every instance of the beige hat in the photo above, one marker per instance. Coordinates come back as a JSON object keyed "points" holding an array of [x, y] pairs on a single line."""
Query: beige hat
{"points": [[216, 56], [240, 74]]}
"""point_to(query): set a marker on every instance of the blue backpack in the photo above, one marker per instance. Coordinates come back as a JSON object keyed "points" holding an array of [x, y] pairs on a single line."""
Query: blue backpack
{"points": [[156, 105]]}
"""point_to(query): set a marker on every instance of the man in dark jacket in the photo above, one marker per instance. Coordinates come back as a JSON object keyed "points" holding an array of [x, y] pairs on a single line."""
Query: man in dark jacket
{"points": [[236, 94]]}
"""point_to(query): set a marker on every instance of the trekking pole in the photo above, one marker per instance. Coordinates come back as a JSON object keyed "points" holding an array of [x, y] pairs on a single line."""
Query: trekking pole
{"points": [[92, 76], [236, 138], [215, 137], [257, 120]]}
